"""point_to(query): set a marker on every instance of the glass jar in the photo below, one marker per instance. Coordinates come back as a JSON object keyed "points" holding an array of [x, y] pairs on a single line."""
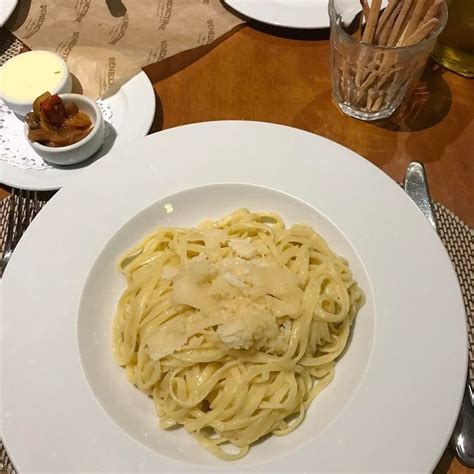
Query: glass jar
{"points": [[455, 47]]}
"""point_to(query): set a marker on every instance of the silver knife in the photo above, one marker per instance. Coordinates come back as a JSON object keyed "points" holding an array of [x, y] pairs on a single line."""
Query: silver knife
{"points": [[416, 186]]}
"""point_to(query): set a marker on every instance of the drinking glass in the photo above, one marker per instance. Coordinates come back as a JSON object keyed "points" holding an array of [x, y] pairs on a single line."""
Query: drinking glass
{"points": [[369, 82]]}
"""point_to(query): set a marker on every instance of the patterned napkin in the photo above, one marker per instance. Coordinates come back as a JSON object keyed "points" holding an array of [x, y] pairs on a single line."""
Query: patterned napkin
{"points": [[107, 42]]}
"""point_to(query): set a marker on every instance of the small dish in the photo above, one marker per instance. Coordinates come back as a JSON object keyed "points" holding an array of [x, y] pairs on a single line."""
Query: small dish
{"points": [[31, 87], [83, 149]]}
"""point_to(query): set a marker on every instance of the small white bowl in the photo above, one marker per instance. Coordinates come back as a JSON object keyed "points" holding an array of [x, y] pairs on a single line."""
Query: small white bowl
{"points": [[83, 149], [22, 107]]}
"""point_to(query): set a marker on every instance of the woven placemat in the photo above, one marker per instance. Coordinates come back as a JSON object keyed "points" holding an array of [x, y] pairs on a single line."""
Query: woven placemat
{"points": [[41, 198], [456, 236], [9, 46]]}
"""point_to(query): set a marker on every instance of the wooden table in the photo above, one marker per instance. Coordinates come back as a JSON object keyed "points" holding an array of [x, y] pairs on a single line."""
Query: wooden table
{"points": [[273, 75]]}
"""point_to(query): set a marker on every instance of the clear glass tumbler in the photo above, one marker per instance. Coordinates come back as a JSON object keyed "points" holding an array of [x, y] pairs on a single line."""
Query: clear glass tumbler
{"points": [[369, 82]]}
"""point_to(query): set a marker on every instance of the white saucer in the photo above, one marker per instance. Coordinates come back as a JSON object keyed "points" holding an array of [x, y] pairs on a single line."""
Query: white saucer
{"points": [[6, 9], [133, 110], [287, 13]]}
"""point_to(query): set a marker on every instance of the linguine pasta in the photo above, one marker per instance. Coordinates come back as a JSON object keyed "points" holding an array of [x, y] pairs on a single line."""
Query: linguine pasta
{"points": [[234, 327]]}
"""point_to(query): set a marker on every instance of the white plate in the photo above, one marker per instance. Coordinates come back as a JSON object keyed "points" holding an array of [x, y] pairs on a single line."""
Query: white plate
{"points": [[133, 109], [397, 391], [6, 9], [287, 13]]}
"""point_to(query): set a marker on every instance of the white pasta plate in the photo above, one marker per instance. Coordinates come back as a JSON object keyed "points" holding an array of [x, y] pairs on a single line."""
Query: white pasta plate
{"points": [[395, 397]]}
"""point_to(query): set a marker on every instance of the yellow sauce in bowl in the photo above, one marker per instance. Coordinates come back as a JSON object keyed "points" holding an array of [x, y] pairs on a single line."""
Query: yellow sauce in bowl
{"points": [[28, 75]]}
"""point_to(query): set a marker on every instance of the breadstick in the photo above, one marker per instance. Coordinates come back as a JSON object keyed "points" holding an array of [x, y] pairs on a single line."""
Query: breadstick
{"points": [[399, 24], [433, 11], [365, 9], [378, 103], [387, 13], [371, 24], [368, 35], [370, 99], [388, 26], [413, 22], [422, 32]]}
